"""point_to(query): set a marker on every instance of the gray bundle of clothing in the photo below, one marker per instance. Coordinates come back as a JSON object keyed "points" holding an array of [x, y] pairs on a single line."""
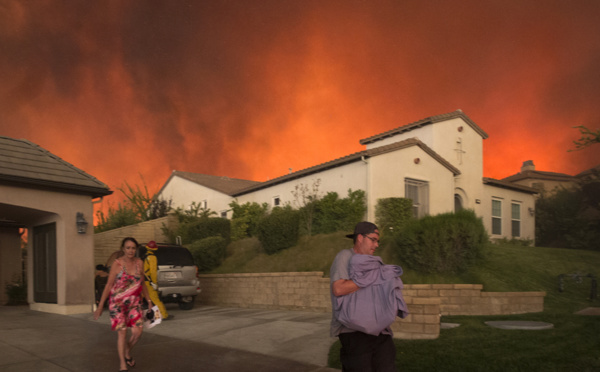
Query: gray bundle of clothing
{"points": [[379, 300]]}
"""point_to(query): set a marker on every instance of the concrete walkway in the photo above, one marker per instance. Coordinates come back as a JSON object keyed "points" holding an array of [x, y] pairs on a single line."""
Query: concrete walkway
{"points": [[202, 339]]}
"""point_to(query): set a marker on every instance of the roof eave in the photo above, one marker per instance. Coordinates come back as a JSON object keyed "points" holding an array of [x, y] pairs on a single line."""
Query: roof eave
{"points": [[94, 192], [510, 186]]}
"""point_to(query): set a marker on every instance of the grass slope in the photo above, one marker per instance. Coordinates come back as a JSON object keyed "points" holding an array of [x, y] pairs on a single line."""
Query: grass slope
{"points": [[572, 345]]}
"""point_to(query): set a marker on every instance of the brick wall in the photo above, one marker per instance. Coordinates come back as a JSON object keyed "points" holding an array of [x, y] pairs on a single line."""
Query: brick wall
{"points": [[309, 291], [105, 243]]}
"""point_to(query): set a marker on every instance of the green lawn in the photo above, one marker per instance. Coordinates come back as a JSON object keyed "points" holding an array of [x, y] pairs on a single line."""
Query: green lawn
{"points": [[572, 345]]}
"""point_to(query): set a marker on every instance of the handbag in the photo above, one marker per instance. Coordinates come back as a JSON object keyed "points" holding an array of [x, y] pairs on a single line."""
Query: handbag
{"points": [[152, 317]]}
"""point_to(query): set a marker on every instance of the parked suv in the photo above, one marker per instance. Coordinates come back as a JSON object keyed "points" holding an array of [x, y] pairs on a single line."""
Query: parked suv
{"points": [[177, 274]]}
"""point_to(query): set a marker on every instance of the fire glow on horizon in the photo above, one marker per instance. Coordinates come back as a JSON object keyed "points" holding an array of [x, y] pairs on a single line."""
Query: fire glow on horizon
{"points": [[251, 89]]}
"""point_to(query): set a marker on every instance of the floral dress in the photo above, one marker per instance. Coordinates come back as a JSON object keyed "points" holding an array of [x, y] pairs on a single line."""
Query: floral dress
{"points": [[125, 300]]}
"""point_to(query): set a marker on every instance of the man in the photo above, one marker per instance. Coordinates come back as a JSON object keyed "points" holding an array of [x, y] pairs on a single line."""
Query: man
{"points": [[150, 271], [360, 351]]}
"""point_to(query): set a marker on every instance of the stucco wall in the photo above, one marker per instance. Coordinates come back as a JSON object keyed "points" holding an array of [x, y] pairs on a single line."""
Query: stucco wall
{"points": [[74, 252], [183, 193], [388, 173], [340, 179], [507, 197]]}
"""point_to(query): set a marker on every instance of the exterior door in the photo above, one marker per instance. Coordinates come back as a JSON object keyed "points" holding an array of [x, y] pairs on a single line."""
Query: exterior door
{"points": [[44, 264]]}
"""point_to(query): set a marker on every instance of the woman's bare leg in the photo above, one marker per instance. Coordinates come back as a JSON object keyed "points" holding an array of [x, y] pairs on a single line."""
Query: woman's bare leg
{"points": [[136, 333], [122, 347]]}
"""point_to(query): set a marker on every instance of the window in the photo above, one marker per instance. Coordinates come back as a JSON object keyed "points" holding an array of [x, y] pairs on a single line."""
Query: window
{"points": [[204, 204], [223, 214], [418, 192], [276, 201], [515, 214], [496, 217]]}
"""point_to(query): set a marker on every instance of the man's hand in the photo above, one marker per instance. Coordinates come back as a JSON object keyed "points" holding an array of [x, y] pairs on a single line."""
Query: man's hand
{"points": [[342, 287]]}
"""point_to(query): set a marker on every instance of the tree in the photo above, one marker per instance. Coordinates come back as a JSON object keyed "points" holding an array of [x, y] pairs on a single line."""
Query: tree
{"points": [[138, 207], [305, 200], [588, 138]]}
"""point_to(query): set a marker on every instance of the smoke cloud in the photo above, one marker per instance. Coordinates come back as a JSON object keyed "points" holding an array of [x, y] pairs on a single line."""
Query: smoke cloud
{"points": [[251, 89]]}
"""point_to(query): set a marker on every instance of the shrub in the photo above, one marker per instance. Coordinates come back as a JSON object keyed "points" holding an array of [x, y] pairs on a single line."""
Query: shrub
{"points": [[392, 213], [244, 222], [209, 252], [333, 214], [279, 230], [201, 228], [565, 219], [446, 243]]}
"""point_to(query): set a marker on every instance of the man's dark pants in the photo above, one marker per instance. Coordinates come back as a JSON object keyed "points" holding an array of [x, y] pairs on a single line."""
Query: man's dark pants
{"points": [[367, 353]]}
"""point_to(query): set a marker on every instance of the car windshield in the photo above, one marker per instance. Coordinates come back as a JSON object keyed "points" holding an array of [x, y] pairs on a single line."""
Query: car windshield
{"points": [[174, 256]]}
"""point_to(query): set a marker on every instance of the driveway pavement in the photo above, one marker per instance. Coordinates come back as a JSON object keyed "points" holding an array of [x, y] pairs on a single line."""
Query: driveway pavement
{"points": [[202, 339]]}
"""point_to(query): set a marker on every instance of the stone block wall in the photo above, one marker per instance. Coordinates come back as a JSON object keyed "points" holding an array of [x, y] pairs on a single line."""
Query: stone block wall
{"points": [[468, 299], [309, 291], [107, 242]]}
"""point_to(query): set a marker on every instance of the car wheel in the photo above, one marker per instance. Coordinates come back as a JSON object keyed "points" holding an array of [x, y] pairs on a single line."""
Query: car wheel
{"points": [[187, 303]]}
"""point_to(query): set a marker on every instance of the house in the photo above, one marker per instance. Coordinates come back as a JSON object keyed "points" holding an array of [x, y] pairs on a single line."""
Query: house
{"points": [[544, 182], [50, 202], [185, 188], [437, 162]]}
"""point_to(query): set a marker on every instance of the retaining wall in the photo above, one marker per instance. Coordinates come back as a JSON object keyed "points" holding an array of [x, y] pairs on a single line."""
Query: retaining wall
{"points": [[309, 291]]}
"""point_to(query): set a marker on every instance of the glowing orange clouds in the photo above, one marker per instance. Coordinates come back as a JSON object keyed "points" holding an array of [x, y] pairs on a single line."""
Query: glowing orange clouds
{"points": [[251, 89]]}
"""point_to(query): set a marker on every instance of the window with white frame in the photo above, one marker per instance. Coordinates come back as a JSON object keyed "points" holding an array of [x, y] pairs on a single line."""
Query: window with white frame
{"points": [[223, 214], [276, 201], [496, 217], [515, 216], [418, 192], [204, 204]]}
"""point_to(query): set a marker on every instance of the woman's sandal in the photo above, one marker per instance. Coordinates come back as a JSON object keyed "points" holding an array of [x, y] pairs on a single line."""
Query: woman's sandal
{"points": [[130, 362]]}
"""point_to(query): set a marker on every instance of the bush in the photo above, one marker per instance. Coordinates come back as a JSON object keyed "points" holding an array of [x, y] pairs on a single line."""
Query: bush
{"points": [[333, 214], [392, 213], [567, 219], [209, 252], [279, 230], [201, 228], [446, 243], [244, 222]]}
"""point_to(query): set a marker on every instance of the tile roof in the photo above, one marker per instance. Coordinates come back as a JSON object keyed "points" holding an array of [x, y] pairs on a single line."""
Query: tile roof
{"points": [[423, 122], [26, 164], [539, 175], [351, 159], [508, 185], [223, 184]]}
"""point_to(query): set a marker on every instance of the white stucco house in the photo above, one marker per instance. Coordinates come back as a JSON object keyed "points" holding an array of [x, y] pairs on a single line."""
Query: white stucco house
{"points": [[437, 162], [50, 201]]}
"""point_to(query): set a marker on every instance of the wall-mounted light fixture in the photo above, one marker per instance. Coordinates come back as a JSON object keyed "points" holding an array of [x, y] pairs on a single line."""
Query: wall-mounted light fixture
{"points": [[82, 224], [531, 211], [417, 160], [477, 201]]}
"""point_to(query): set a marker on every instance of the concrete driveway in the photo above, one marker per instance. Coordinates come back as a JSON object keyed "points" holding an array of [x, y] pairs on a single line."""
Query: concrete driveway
{"points": [[202, 339]]}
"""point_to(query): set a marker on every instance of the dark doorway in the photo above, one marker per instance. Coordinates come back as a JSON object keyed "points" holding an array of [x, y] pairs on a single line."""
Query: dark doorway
{"points": [[44, 264], [458, 203]]}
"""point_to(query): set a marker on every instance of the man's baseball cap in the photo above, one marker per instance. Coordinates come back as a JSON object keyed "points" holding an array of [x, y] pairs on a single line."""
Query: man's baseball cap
{"points": [[363, 228]]}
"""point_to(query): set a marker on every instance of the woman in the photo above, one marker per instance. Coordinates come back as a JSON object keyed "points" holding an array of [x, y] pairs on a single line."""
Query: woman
{"points": [[125, 288]]}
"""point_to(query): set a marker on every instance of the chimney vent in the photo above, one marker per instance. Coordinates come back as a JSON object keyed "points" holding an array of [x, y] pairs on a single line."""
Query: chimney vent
{"points": [[528, 166]]}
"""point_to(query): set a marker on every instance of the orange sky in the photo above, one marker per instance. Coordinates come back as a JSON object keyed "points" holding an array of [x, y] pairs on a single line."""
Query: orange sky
{"points": [[249, 89]]}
